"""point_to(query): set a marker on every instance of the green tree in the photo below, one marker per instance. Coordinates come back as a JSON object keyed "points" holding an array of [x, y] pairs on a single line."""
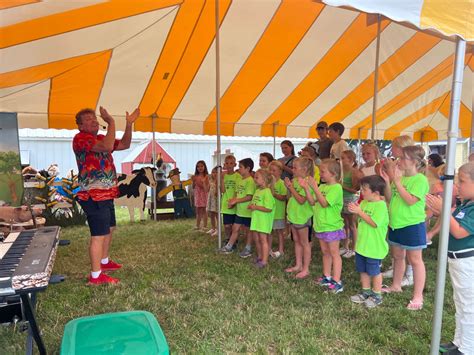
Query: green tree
{"points": [[10, 168]]}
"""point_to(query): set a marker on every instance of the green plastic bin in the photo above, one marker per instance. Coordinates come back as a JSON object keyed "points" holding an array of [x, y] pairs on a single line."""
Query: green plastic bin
{"points": [[135, 332]]}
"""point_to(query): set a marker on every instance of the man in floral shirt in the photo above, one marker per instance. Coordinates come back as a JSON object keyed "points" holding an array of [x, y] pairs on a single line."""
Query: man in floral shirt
{"points": [[98, 184]]}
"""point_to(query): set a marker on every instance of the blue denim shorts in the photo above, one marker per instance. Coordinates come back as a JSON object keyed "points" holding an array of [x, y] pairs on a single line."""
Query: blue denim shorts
{"points": [[408, 238], [370, 266], [100, 216]]}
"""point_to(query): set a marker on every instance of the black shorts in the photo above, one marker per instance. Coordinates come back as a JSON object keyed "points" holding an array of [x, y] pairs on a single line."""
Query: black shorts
{"points": [[245, 221], [228, 218], [100, 216]]}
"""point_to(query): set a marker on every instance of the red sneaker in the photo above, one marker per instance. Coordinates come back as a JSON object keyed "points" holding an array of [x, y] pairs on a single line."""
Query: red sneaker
{"points": [[110, 266], [102, 279]]}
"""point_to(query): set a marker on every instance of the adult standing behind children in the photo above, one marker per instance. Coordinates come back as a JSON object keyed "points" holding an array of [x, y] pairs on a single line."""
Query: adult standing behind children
{"points": [[324, 142], [335, 132], [98, 184], [288, 150]]}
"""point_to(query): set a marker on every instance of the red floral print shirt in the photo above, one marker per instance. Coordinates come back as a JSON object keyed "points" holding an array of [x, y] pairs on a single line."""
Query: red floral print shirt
{"points": [[97, 176]]}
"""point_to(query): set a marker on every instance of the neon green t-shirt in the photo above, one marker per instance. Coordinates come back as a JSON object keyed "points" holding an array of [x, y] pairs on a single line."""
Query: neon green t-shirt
{"points": [[263, 221], [230, 184], [280, 206], [403, 215], [245, 187], [299, 213], [329, 219], [371, 242]]}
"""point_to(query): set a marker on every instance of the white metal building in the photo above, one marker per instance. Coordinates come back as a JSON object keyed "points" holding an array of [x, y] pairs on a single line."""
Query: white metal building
{"points": [[41, 147]]}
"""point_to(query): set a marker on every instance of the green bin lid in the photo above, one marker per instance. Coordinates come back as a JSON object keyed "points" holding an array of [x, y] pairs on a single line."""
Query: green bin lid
{"points": [[135, 332]]}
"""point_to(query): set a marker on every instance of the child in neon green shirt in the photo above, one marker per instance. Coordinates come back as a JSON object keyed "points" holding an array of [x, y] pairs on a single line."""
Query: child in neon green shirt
{"points": [[407, 232], [299, 214], [279, 222], [371, 246], [229, 180], [244, 193], [327, 222], [263, 210]]}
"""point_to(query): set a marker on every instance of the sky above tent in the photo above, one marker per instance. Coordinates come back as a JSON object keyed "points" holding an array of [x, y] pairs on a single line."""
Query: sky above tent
{"points": [[285, 65]]}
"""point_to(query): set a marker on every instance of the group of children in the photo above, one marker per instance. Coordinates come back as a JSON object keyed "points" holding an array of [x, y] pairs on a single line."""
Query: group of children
{"points": [[370, 208]]}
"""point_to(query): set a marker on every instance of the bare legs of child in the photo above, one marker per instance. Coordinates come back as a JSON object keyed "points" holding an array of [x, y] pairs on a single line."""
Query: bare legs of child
{"points": [[201, 216], [302, 252], [261, 243], [350, 227], [332, 262], [213, 218]]}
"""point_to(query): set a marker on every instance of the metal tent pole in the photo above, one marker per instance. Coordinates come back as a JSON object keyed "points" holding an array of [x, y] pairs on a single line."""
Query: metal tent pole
{"points": [[274, 138], [376, 77], [218, 129], [153, 158], [447, 194]]}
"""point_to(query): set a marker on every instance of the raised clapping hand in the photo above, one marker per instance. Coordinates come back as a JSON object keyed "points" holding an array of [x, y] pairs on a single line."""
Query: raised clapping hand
{"points": [[105, 115], [385, 176], [303, 183], [354, 208], [397, 174], [288, 183], [434, 203], [130, 118]]}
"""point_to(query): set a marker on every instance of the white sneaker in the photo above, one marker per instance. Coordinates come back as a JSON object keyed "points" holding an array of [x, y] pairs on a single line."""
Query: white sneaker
{"points": [[407, 281], [342, 251], [275, 254], [349, 254], [388, 274]]}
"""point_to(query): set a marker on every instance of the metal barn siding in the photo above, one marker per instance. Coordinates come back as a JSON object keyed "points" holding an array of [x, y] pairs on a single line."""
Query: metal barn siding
{"points": [[55, 146]]}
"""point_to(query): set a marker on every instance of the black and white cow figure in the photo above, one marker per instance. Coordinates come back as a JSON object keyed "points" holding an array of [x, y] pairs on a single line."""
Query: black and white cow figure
{"points": [[133, 190]]}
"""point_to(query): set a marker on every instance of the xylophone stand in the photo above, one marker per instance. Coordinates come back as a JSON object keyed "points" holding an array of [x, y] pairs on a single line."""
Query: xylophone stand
{"points": [[29, 303]]}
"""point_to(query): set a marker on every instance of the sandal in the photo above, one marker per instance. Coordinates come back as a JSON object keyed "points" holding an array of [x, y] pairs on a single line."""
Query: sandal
{"points": [[415, 306]]}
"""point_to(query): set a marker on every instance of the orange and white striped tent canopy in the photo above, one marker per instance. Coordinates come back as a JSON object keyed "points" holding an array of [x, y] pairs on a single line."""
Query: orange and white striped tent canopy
{"points": [[284, 64]]}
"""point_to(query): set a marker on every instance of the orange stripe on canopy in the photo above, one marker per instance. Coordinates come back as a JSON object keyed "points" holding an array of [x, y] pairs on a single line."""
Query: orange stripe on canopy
{"points": [[416, 116], [44, 71], [6, 4], [425, 135], [429, 80], [465, 117], [67, 95], [76, 19], [172, 53], [353, 42], [261, 66], [195, 53], [412, 50], [433, 77]]}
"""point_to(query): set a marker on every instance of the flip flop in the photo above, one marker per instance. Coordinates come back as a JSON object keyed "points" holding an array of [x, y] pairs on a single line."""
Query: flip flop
{"points": [[415, 306]]}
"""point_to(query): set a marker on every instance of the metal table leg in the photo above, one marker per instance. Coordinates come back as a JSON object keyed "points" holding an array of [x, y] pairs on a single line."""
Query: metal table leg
{"points": [[33, 329]]}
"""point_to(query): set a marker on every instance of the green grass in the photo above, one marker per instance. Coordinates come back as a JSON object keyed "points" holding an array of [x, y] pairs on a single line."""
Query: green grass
{"points": [[210, 303]]}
